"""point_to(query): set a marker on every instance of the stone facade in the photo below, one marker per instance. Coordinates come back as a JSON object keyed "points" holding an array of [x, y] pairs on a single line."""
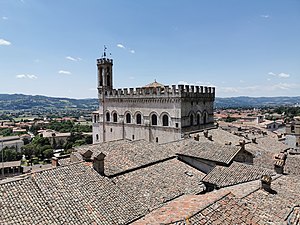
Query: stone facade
{"points": [[156, 113], [293, 128]]}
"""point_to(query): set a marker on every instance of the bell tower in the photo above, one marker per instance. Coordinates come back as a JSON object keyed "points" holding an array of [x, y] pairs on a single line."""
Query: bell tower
{"points": [[105, 80]]}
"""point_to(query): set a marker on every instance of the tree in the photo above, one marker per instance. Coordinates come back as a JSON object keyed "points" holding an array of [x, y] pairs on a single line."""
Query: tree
{"points": [[28, 151], [48, 153], [10, 154], [6, 132]]}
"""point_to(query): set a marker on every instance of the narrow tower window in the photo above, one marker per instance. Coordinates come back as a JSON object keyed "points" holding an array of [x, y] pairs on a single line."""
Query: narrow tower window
{"points": [[107, 117], [198, 119], [165, 120], [191, 119], [128, 118], [204, 117], [153, 119], [138, 118], [115, 117]]}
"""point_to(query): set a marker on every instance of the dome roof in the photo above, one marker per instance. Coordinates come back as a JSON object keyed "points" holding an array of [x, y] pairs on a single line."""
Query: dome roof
{"points": [[154, 85]]}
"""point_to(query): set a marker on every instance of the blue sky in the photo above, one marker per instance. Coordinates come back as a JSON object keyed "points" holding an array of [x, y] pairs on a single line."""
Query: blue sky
{"points": [[241, 47]]}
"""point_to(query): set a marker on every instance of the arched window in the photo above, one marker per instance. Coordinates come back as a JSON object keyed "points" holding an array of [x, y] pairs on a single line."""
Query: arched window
{"points": [[165, 120], [154, 119], [138, 118], [198, 119], [115, 117], [107, 117], [97, 137], [204, 118], [128, 118], [191, 119]]}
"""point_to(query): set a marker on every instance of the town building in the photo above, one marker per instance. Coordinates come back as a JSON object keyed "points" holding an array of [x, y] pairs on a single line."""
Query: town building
{"points": [[157, 113], [11, 141], [293, 129]]}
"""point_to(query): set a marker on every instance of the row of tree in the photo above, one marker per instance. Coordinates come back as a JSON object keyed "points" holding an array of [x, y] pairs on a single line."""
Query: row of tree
{"points": [[41, 149], [63, 127]]}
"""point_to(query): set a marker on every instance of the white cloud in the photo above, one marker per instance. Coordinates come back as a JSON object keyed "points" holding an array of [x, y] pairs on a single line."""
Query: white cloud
{"points": [[283, 75], [73, 59], [280, 75], [284, 86], [21, 76], [29, 76], [205, 84], [132, 51], [227, 90], [64, 72], [272, 74], [182, 82], [120, 46], [4, 18], [4, 42], [265, 16]]}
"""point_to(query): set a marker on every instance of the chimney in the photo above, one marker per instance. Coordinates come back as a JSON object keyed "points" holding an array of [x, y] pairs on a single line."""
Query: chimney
{"points": [[87, 155], [279, 162], [242, 143], [228, 143], [209, 137], [54, 161], [205, 132], [254, 140], [98, 163], [265, 182], [196, 137], [279, 166]]}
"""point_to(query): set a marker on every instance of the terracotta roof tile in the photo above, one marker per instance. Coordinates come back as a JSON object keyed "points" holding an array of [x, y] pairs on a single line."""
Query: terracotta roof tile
{"points": [[125, 155], [222, 176], [161, 182]]}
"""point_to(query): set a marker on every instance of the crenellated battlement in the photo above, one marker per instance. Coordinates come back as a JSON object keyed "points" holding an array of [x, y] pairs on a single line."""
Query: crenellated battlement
{"points": [[104, 60], [166, 91]]}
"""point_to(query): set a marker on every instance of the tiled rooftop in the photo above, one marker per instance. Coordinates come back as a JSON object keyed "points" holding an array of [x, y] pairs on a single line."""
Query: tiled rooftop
{"points": [[222, 176], [74, 194], [180, 208], [228, 210], [159, 183], [21, 202], [275, 207], [204, 150], [292, 165], [222, 207], [263, 150], [125, 155]]}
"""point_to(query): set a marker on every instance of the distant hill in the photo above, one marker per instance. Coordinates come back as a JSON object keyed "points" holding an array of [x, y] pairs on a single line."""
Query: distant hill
{"points": [[245, 102], [28, 102]]}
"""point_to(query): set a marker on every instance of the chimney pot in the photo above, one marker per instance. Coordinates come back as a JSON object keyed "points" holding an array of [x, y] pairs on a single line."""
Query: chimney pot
{"points": [[54, 161], [265, 182], [205, 132], [98, 163], [279, 166], [196, 137], [87, 155]]}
